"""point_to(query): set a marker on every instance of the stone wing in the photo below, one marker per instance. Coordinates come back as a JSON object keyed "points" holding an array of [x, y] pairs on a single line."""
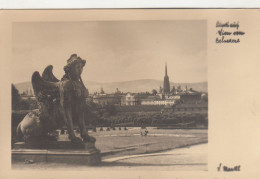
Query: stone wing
{"points": [[45, 90], [48, 75]]}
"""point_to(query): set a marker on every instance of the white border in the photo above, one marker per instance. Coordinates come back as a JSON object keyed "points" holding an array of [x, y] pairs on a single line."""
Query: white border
{"points": [[82, 4]]}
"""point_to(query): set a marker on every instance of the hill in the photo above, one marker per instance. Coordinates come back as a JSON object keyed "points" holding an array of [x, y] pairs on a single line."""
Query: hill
{"points": [[127, 86]]}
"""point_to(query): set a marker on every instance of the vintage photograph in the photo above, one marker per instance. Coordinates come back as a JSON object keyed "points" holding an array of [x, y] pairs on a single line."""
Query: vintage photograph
{"points": [[118, 94]]}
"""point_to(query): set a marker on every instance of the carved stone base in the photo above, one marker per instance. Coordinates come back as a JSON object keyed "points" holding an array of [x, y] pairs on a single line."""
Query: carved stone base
{"points": [[57, 152], [67, 145]]}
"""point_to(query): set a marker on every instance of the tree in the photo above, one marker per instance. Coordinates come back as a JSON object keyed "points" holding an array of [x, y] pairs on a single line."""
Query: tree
{"points": [[24, 105], [154, 92], [102, 91], [117, 91], [111, 109], [16, 98]]}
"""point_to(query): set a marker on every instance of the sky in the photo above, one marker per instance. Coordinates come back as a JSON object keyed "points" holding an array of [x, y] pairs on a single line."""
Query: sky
{"points": [[114, 50]]}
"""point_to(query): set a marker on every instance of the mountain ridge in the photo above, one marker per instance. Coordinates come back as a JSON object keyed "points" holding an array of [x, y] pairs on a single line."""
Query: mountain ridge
{"points": [[141, 85]]}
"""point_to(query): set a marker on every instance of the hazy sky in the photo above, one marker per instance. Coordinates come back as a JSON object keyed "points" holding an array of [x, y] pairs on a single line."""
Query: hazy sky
{"points": [[114, 50]]}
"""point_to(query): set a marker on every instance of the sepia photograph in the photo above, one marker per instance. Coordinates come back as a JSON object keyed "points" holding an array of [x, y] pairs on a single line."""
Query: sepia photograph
{"points": [[124, 94], [130, 93]]}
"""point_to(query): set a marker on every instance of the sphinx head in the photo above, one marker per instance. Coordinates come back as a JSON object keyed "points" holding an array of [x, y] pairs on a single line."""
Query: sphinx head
{"points": [[74, 66]]}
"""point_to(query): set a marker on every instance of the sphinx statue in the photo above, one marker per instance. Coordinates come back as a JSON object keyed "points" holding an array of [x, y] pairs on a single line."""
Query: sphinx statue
{"points": [[61, 102]]}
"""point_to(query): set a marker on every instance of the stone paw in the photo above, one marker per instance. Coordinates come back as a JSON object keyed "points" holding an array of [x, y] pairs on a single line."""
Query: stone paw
{"points": [[75, 140], [87, 138], [90, 146]]}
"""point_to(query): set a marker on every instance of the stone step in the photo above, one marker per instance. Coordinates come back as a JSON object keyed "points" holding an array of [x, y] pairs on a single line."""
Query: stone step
{"points": [[81, 157], [51, 145], [56, 152]]}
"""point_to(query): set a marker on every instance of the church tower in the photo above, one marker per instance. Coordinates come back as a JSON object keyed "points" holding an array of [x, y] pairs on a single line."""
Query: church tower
{"points": [[166, 83]]}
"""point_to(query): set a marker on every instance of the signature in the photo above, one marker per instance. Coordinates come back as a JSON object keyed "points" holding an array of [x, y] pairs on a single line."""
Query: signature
{"points": [[228, 169]]}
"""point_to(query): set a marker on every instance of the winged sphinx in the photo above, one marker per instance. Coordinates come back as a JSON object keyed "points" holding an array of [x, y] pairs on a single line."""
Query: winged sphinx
{"points": [[61, 102]]}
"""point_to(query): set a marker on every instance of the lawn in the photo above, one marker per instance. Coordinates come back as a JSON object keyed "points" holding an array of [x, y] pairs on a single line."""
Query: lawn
{"points": [[129, 142]]}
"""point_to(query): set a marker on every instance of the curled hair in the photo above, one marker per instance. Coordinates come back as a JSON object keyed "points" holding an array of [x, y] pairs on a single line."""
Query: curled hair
{"points": [[74, 59]]}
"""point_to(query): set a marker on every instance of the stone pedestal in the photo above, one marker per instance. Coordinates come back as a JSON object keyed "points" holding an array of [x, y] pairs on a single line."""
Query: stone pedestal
{"points": [[57, 152]]}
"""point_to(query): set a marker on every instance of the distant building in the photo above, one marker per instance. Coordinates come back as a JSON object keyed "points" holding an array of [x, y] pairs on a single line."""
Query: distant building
{"points": [[157, 101], [184, 97], [150, 100], [129, 99], [173, 91], [165, 96], [160, 90], [105, 99], [132, 99]]}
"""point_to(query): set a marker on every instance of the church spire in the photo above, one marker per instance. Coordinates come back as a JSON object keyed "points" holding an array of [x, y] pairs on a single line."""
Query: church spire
{"points": [[166, 69], [166, 83]]}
